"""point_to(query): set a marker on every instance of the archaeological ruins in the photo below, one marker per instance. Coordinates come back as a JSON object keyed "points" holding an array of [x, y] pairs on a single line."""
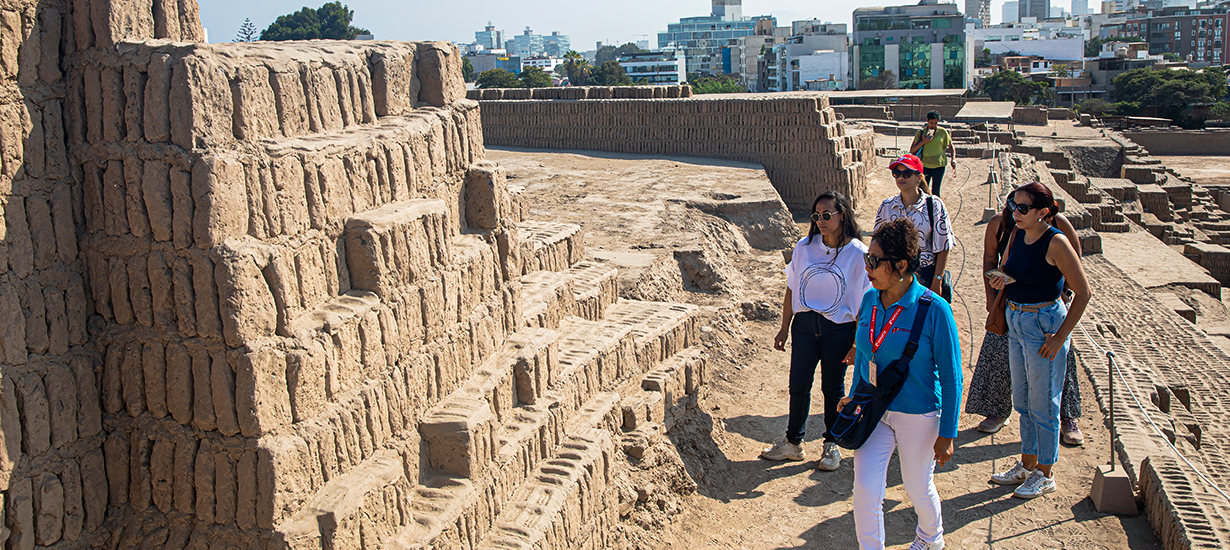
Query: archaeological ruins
{"points": [[275, 295]]}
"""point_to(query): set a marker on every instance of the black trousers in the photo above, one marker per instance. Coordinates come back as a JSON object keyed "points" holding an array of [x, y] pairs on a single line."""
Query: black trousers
{"points": [[934, 177], [816, 340]]}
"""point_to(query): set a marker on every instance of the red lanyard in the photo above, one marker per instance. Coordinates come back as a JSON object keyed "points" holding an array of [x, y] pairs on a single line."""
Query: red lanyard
{"points": [[876, 341]]}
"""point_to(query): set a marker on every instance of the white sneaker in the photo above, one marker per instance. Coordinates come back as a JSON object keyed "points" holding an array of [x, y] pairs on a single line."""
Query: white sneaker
{"points": [[920, 544], [831, 459], [783, 450], [1017, 475], [1037, 485]]}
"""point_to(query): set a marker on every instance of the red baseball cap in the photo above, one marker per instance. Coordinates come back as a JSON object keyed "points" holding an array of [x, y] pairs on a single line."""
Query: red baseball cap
{"points": [[909, 161]]}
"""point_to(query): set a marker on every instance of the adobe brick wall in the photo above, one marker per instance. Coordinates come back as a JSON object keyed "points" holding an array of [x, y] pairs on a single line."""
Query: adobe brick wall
{"points": [[797, 138]]}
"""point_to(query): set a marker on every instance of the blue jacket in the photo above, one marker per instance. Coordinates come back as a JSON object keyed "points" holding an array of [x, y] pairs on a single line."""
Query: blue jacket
{"points": [[935, 380]]}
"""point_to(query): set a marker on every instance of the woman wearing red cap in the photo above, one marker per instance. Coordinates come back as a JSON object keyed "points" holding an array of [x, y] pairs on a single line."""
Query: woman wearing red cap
{"points": [[930, 216]]}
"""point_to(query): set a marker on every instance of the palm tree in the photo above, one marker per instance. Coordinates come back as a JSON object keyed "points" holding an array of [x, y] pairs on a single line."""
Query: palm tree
{"points": [[577, 68]]}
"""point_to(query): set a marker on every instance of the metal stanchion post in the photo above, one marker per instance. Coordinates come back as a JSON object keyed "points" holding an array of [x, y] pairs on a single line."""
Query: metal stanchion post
{"points": [[1112, 490], [1110, 364]]}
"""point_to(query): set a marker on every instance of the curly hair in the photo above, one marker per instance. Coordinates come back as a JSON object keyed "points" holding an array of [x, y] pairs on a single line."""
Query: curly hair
{"points": [[899, 241]]}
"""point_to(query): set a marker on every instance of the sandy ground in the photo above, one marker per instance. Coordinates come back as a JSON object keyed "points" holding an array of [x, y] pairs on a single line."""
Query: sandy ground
{"points": [[742, 501], [1213, 171]]}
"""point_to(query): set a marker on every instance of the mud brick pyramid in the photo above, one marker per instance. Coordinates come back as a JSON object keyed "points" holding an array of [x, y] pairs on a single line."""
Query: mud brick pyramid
{"points": [[271, 296]]}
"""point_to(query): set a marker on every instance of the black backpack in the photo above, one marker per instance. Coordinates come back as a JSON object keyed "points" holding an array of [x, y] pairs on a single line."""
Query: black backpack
{"points": [[867, 405]]}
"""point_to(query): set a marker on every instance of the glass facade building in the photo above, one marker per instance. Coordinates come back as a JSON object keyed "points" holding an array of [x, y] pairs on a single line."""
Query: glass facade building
{"points": [[925, 45]]}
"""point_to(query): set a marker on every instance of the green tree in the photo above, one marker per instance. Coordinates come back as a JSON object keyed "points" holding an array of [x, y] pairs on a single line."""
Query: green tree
{"points": [[612, 53], [1221, 111], [247, 32], [497, 78], [886, 80], [1062, 70], [467, 69], [576, 68], [1011, 86], [609, 74], [330, 22], [724, 84], [1095, 107], [983, 59], [1094, 46], [1172, 57], [1169, 91], [535, 77]]}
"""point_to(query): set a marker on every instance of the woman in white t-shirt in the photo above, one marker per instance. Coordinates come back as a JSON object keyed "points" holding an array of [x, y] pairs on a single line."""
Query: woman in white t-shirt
{"points": [[825, 282]]}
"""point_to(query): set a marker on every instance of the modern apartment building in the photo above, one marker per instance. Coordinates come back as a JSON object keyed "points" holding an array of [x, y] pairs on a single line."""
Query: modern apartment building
{"points": [[556, 45], [660, 67], [1040, 9], [747, 57], [1010, 13], [924, 45], [703, 39], [529, 44], [1195, 34], [979, 11], [817, 53], [489, 38]]}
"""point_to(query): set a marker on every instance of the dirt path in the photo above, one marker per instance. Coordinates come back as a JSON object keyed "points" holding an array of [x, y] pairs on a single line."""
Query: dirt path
{"points": [[745, 502]]}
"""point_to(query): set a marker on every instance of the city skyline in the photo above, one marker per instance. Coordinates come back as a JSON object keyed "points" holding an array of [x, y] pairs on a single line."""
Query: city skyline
{"points": [[628, 21]]}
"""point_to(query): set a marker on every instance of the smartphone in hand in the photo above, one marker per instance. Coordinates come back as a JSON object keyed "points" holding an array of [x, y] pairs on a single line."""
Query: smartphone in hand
{"points": [[1008, 279]]}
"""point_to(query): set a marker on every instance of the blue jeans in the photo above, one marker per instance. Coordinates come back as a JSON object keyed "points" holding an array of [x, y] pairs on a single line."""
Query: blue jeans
{"points": [[1037, 382], [816, 340]]}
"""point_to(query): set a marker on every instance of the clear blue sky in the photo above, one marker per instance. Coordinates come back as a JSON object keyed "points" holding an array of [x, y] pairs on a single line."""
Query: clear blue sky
{"points": [[586, 22]]}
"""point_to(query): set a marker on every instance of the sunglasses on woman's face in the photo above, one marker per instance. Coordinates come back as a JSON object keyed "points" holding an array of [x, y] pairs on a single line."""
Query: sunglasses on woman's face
{"points": [[1020, 208], [826, 216], [874, 261], [902, 174]]}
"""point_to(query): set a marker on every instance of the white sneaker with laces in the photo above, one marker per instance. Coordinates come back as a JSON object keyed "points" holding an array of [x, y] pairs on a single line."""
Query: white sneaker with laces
{"points": [[1017, 475], [831, 458], [920, 544], [783, 450], [1037, 485]]}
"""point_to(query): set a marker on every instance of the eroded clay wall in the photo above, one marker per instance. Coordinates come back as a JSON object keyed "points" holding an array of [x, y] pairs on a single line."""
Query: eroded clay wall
{"points": [[52, 465], [798, 139]]}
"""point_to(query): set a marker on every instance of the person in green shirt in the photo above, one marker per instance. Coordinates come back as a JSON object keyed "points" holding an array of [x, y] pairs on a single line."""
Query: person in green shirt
{"points": [[931, 144]]}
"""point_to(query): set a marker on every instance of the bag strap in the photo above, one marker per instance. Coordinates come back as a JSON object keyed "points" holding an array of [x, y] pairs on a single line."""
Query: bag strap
{"points": [[931, 216], [1012, 237], [924, 303]]}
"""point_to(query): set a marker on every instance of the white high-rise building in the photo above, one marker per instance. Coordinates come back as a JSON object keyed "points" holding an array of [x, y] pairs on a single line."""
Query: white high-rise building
{"points": [[728, 10], [1080, 8], [1010, 14]]}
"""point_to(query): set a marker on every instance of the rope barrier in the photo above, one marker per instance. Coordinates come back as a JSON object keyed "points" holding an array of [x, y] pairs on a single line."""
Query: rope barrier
{"points": [[1115, 366]]}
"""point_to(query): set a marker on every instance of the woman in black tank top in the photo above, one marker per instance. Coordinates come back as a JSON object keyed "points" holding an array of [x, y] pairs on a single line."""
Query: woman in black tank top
{"points": [[990, 387], [1039, 324]]}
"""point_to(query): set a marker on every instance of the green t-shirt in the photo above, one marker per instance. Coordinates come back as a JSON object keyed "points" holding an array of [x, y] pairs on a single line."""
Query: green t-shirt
{"points": [[933, 153]]}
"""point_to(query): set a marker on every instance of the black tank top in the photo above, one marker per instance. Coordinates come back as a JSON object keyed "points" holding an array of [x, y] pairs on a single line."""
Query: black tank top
{"points": [[1036, 280]]}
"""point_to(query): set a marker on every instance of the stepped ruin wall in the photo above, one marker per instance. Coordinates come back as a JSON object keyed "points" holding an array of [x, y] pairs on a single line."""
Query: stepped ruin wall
{"points": [[804, 149]]}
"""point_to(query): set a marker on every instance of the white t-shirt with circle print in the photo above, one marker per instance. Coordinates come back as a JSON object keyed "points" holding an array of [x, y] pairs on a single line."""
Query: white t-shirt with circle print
{"points": [[828, 281]]}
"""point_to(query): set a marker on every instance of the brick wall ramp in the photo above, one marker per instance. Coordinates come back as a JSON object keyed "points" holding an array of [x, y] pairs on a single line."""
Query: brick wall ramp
{"points": [[1178, 377], [797, 138]]}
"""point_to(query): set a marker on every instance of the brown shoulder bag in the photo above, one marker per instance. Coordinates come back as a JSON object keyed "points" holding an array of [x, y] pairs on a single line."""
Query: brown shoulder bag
{"points": [[997, 319]]}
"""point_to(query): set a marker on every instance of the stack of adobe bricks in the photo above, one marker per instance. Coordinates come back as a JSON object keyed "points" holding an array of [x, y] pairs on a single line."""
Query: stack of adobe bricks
{"points": [[247, 290]]}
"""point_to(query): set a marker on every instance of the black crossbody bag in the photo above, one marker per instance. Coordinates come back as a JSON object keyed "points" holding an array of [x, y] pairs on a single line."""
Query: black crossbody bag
{"points": [[946, 277], [867, 405]]}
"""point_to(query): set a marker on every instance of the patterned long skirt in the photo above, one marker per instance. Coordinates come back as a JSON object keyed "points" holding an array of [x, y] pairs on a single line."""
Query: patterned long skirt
{"points": [[990, 389]]}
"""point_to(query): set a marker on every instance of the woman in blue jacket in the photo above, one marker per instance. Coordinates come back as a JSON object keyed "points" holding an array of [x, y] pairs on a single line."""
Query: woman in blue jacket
{"points": [[921, 422]]}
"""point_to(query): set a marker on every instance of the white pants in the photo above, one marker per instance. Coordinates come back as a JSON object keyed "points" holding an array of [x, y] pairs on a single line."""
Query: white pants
{"points": [[913, 435]]}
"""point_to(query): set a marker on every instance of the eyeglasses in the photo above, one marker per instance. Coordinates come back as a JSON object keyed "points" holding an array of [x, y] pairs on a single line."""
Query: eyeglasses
{"points": [[903, 173], [817, 216], [874, 261], [1020, 208]]}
